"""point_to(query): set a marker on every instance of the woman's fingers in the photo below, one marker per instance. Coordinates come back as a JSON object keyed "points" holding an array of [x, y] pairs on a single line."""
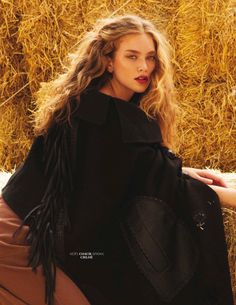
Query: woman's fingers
{"points": [[216, 180], [204, 175], [204, 180]]}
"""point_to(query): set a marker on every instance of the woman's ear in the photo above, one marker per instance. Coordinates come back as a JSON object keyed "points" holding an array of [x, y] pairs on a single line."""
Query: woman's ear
{"points": [[110, 68], [110, 65]]}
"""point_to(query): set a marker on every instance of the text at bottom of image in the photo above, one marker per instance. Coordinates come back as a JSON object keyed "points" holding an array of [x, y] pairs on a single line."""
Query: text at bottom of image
{"points": [[86, 255]]}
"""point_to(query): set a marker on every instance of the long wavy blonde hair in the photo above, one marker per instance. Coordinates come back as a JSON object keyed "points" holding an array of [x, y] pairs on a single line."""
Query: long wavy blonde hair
{"points": [[88, 65]]}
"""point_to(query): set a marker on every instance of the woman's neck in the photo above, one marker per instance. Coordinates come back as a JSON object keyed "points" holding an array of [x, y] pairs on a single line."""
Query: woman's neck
{"points": [[110, 90]]}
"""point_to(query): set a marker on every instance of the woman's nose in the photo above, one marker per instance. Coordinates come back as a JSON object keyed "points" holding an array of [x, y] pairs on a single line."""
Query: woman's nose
{"points": [[142, 66]]}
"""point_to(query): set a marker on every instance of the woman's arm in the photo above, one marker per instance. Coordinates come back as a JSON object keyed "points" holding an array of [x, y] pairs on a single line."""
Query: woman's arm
{"points": [[227, 196]]}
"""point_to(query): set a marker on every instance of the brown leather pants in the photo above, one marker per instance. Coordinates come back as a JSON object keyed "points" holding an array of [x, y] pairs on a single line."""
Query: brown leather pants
{"points": [[19, 285]]}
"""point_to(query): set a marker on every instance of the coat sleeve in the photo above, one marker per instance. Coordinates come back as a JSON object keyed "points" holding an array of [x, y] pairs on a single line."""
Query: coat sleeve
{"points": [[26, 185]]}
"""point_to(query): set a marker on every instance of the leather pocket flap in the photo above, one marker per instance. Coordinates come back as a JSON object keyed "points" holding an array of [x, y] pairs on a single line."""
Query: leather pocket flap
{"points": [[160, 244]]}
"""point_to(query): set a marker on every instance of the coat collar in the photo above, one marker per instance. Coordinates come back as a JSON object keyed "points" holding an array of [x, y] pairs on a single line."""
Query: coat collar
{"points": [[136, 127]]}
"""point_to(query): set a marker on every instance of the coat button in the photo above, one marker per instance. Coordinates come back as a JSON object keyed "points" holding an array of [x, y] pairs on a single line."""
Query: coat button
{"points": [[211, 202], [200, 220]]}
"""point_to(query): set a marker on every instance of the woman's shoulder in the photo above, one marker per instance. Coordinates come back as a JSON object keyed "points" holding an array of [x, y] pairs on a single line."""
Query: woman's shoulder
{"points": [[91, 106]]}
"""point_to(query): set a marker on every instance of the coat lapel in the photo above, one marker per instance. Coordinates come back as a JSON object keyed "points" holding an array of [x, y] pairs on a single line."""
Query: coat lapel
{"points": [[135, 125]]}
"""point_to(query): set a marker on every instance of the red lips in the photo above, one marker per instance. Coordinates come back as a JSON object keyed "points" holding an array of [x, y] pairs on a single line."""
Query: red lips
{"points": [[142, 77]]}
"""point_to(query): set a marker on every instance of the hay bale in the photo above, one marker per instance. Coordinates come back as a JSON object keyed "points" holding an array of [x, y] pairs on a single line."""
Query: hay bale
{"points": [[205, 76], [205, 42], [14, 101], [13, 151], [207, 126], [11, 56], [46, 31]]}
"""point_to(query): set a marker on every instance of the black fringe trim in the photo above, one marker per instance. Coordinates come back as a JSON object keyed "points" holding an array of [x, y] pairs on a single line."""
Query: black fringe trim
{"points": [[48, 219]]}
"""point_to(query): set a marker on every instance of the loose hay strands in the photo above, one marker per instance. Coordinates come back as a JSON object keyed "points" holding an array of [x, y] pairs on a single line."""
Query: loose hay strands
{"points": [[46, 31], [12, 71], [12, 152], [13, 110], [207, 126], [206, 42], [205, 66]]}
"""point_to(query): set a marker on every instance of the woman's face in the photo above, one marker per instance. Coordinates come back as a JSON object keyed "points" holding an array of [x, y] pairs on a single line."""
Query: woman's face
{"points": [[134, 57]]}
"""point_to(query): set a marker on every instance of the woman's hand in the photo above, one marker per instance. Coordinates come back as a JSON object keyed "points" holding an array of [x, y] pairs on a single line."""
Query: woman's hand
{"points": [[204, 175]]}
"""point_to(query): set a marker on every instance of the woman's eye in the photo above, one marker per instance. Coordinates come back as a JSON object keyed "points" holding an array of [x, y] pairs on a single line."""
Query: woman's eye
{"points": [[152, 57], [132, 56]]}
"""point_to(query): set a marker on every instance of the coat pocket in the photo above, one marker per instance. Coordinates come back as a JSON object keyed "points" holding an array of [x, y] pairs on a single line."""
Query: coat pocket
{"points": [[160, 244]]}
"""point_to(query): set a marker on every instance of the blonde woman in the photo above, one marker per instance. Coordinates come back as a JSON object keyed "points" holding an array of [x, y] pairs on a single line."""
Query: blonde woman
{"points": [[107, 215]]}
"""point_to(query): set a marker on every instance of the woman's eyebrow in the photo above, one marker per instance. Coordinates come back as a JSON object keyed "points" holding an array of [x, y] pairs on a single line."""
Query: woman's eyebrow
{"points": [[135, 51]]}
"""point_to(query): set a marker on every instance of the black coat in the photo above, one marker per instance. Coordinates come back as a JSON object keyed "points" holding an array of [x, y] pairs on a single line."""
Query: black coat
{"points": [[141, 231]]}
